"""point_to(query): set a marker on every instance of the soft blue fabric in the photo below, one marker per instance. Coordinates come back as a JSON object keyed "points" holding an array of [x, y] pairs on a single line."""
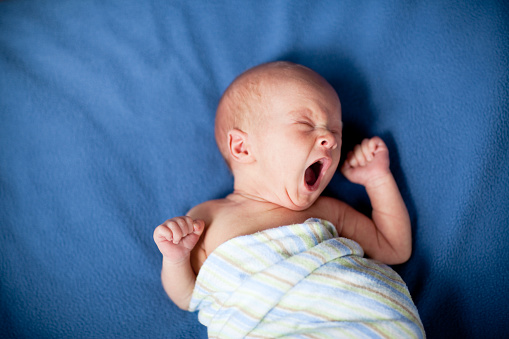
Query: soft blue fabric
{"points": [[106, 130]]}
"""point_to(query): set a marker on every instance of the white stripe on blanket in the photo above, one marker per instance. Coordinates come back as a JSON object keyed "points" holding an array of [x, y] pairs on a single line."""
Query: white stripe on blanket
{"points": [[301, 281]]}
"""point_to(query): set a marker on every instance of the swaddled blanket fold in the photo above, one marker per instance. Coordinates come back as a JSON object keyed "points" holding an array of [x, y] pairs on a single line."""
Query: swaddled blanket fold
{"points": [[301, 281]]}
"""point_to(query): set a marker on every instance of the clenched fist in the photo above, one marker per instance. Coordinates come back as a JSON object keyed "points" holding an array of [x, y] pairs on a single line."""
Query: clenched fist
{"points": [[367, 163], [176, 237]]}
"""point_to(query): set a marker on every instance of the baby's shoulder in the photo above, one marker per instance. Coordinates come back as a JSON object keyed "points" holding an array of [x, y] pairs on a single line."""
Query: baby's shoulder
{"points": [[206, 210], [328, 208], [325, 203]]}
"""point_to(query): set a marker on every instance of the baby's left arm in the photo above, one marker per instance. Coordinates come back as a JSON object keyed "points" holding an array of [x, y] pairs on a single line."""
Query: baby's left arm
{"points": [[387, 237]]}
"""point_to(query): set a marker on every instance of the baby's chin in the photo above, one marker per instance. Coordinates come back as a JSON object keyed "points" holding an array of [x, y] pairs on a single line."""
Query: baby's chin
{"points": [[299, 204]]}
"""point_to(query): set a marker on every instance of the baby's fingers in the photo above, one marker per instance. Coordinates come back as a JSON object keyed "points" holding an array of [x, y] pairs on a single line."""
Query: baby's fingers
{"points": [[176, 231], [368, 148], [350, 160], [198, 226], [360, 155], [181, 227], [162, 233]]}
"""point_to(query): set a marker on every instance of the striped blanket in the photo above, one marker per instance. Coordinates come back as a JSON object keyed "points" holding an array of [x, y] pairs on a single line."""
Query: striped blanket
{"points": [[301, 281]]}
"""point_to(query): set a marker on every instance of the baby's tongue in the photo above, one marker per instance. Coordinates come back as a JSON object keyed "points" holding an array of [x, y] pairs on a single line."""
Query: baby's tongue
{"points": [[310, 177]]}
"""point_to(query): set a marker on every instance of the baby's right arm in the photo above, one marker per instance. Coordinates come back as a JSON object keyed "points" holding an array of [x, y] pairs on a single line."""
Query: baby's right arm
{"points": [[175, 238]]}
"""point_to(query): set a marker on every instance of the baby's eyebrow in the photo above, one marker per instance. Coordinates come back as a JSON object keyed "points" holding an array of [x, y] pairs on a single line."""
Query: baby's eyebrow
{"points": [[301, 113]]}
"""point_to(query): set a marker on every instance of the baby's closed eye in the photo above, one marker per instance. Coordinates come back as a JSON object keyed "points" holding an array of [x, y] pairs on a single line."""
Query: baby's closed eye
{"points": [[305, 125]]}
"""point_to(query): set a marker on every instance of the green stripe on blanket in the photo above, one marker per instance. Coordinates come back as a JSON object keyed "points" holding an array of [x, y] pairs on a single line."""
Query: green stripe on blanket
{"points": [[301, 281]]}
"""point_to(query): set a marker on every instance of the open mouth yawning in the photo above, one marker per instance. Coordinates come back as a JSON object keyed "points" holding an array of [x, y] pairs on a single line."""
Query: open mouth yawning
{"points": [[313, 173]]}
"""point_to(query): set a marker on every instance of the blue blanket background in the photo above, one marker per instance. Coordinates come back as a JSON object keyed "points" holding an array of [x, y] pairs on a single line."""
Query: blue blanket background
{"points": [[106, 130]]}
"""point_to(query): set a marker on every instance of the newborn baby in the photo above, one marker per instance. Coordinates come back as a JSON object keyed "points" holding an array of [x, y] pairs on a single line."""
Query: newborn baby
{"points": [[278, 126]]}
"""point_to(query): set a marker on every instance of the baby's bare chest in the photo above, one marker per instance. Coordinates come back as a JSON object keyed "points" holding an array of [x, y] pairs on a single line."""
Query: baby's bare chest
{"points": [[228, 222]]}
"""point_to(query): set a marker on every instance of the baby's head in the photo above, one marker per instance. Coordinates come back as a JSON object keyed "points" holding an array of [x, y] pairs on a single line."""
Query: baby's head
{"points": [[278, 126]]}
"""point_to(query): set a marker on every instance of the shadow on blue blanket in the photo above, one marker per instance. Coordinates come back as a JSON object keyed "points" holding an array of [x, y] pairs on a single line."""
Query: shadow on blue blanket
{"points": [[106, 130]]}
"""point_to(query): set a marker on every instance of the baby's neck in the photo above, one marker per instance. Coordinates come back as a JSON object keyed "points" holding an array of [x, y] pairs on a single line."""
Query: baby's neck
{"points": [[247, 189], [243, 196]]}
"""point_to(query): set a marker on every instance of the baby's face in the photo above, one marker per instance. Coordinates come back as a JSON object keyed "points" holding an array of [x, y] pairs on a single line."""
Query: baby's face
{"points": [[298, 142]]}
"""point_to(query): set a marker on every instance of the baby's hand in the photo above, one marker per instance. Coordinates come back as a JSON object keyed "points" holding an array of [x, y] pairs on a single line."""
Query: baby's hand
{"points": [[176, 237], [367, 163]]}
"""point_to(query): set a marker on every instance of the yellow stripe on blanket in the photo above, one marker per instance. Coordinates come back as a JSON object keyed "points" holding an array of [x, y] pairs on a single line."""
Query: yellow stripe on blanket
{"points": [[301, 281]]}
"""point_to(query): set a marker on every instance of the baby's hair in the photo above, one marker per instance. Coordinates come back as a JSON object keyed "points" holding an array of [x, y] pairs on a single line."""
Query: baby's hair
{"points": [[242, 102]]}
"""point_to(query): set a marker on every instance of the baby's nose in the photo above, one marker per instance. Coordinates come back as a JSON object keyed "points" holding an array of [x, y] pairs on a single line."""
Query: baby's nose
{"points": [[328, 140]]}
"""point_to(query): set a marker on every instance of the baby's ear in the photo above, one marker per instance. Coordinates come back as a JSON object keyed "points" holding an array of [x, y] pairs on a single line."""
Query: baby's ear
{"points": [[239, 147]]}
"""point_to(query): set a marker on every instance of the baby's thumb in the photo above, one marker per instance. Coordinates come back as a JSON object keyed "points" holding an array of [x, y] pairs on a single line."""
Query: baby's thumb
{"points": [[346, 167], [198, 226]]}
